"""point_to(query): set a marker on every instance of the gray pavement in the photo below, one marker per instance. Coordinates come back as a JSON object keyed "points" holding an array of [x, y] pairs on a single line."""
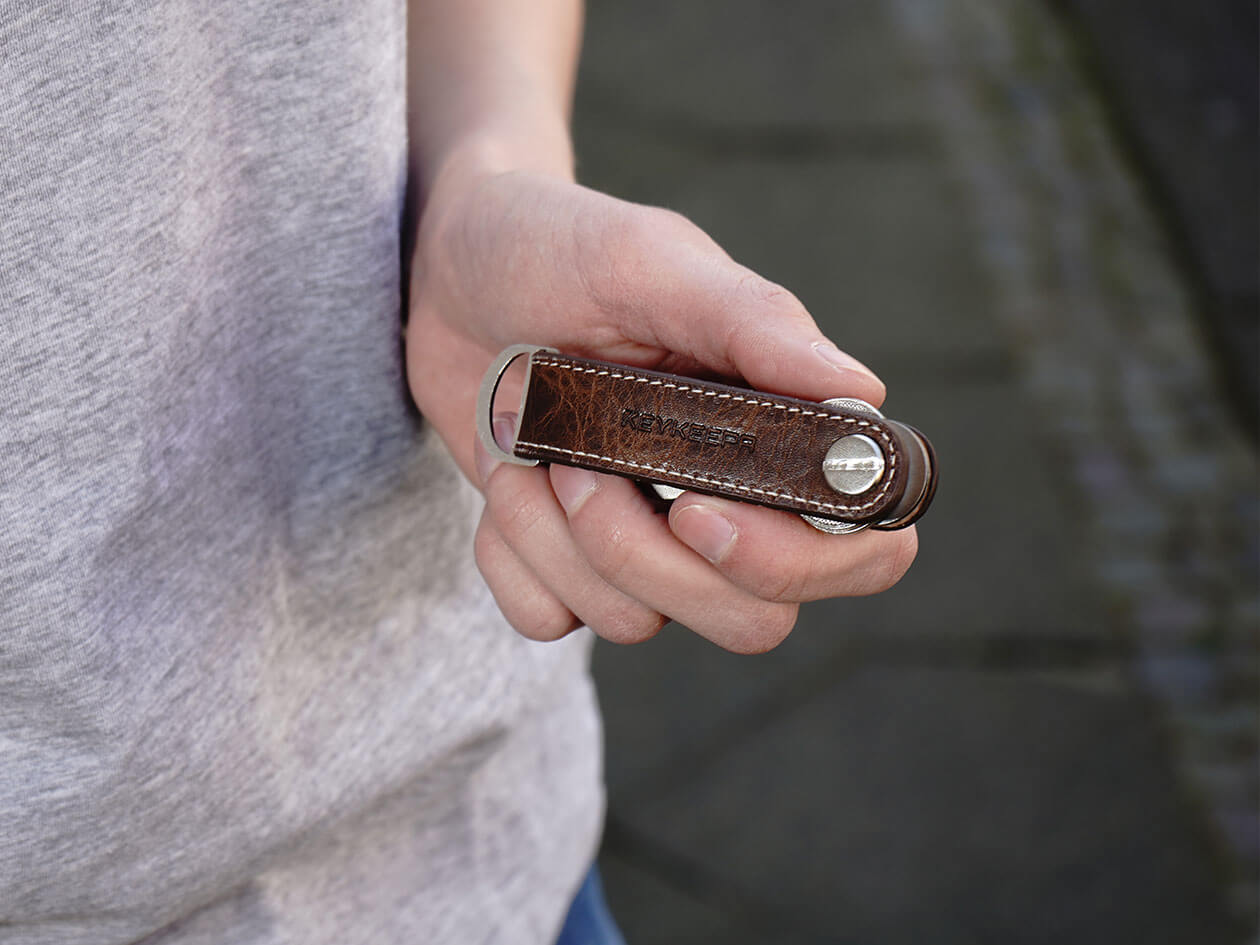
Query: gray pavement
{"points": [[1182, 77], [1046, 732]]}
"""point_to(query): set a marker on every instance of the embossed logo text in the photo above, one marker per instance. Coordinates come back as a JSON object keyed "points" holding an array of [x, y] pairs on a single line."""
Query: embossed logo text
{"points": [[687, 430]]}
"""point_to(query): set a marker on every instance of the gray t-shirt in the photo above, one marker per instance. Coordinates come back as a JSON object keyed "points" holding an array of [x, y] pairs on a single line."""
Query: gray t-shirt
{"points": [[251, 686]]}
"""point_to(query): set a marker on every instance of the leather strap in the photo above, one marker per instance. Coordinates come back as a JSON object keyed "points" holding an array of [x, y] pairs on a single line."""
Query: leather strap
{"points": [[714, 438]]}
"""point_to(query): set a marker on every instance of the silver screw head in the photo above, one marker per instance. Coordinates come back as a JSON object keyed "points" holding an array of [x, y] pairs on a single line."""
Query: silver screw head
{"points": [[853, 464]]}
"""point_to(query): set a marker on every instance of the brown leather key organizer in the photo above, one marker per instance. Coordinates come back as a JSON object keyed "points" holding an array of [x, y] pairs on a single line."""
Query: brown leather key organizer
{"points": [[841, 464]]}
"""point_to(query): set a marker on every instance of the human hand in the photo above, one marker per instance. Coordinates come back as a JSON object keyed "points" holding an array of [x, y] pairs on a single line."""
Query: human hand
{"points": [[517, 257]]}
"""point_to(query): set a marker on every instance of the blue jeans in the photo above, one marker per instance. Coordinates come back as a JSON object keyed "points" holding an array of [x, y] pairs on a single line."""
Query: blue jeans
{"points": [[589, 922]]}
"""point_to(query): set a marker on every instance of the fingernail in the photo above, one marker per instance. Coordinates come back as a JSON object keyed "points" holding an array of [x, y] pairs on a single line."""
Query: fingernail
{"points": [[505, 430], [504, 426], [707, 532], [572, 486], [838, 359]]}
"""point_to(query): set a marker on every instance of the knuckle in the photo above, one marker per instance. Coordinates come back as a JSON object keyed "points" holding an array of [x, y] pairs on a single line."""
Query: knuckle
{"points": [[530, 610], [512, 510], [651, 223], [759, 306], [485, 550], [769, 295], [628, 626], [907, 550], [611, 252], [765, 628], [781, 582], [897, 556], [640, 228], [609, 552], [543, 622]]}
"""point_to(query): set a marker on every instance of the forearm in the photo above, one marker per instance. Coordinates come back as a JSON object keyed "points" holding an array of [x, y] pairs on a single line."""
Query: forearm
{"points": [[491, 81]]}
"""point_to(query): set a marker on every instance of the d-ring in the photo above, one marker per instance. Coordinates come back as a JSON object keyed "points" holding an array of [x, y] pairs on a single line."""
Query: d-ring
{"points": [[485, 400]]}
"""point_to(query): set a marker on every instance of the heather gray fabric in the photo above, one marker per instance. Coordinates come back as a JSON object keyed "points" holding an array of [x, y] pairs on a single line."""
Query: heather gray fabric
{"points": [[251, 687]]}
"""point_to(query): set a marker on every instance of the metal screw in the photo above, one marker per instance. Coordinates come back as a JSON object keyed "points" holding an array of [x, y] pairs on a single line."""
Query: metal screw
{"points": [[853, 464]]}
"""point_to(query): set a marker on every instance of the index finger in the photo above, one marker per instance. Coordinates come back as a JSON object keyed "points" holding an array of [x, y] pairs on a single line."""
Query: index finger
{"points": [[675, 289]]}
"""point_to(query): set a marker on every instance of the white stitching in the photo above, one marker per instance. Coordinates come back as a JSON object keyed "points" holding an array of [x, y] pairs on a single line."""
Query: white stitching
{"points": [[739, 487], [726, 483], [700, 390]]}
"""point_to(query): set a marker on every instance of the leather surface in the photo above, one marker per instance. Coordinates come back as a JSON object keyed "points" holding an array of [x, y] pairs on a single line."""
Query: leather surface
{"points": [[701, 436]]}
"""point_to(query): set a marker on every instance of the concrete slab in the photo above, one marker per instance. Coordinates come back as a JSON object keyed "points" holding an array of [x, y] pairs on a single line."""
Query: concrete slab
{"points": [[913, 806]]}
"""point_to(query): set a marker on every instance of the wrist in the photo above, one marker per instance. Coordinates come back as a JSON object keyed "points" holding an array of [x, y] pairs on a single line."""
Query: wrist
{"points": [[497, 145]]}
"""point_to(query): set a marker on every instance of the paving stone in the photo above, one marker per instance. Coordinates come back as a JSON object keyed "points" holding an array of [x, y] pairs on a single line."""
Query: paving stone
{"points": [[913, 806], [1217, 734], [1241, 828], [1181, 679], [1167, 618], [1234, 785]]}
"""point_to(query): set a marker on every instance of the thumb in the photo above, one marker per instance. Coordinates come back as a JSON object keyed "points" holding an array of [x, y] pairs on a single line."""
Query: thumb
{"points": [[774, 343]]}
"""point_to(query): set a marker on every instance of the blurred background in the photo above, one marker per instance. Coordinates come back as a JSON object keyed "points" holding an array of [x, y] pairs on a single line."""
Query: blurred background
{"points": [[1037, 221]]}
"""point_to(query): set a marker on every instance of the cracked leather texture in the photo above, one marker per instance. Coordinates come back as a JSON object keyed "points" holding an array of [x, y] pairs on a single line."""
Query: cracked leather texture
{"points": [[700, 436]]}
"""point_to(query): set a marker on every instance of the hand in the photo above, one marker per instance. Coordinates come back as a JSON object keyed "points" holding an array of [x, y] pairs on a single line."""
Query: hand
{"points": [[504, 258]]}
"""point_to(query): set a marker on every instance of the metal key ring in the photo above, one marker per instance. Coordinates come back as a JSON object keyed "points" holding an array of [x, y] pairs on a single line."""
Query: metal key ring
{"points": [[485, 400]]}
